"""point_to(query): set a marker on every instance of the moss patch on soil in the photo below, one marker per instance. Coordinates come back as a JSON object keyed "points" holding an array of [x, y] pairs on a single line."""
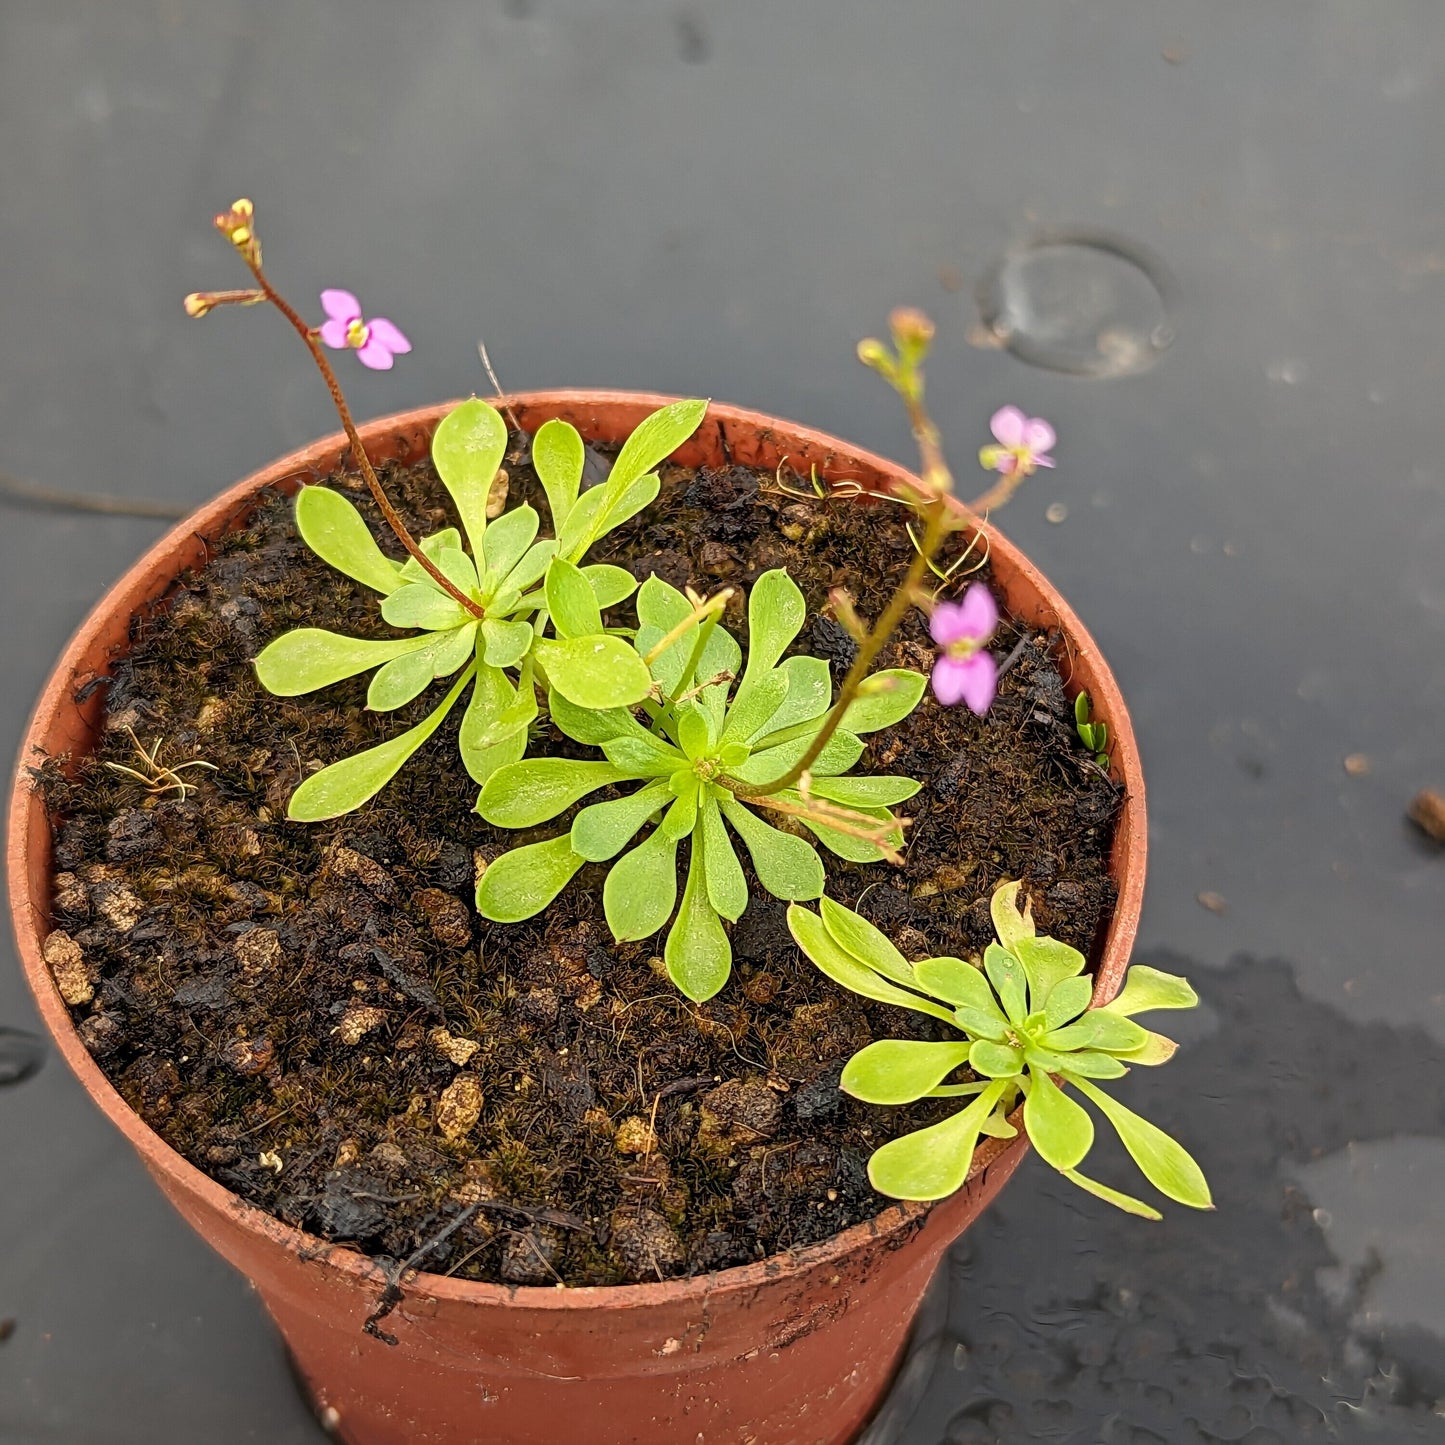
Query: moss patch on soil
{"points": [[316, 1017]]}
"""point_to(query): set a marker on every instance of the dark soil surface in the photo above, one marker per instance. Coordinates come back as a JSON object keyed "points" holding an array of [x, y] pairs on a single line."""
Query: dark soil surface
{"points": [[315, 1016]]}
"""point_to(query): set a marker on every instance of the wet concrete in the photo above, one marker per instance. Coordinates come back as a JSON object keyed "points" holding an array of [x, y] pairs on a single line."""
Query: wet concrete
{"points": [[720, 198]]}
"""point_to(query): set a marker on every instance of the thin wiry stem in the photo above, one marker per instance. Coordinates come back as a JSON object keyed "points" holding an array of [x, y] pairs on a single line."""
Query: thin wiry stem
{"points": [[251, 255]]}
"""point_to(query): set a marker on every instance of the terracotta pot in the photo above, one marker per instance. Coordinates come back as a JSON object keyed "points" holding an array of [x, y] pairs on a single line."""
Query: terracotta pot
{"points": [[796, 1350]]}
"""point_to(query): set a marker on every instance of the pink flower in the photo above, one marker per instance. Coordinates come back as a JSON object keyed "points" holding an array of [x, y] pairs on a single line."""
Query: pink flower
{"points": [[1022, 443], [376, 342], [965, 672]]}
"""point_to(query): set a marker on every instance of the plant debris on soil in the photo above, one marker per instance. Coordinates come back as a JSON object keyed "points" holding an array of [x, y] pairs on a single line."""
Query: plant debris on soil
{"points": [[316, 1017]]}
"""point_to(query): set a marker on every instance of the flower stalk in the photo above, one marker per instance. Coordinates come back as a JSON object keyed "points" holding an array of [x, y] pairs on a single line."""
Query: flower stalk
{"points": [[238, 226]]}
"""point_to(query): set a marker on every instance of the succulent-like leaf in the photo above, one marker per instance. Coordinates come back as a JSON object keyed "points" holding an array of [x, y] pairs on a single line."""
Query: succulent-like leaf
{"points": [[408, 676], [655, 438], [1116, 1197], [610, 585], [1065, 1001], [597, 672], [996, 1126], [467, 450], [571, 601], [601, 830], [788, 867], [491, 697], [932, 1163], [868, 944], [641, 755], [1098, 1030], [524, 794], [994, 1060], [641, 887], [558, 455], [898, 1071], [693, 730], [1155, 1050], [956, 981], [1164, 1162], [979, 1024], [520, 884], [776, 612], [1147, 988], [1086, 1063], [1006, 974], [771, 763], [420, 604], [813, 938], [508, 540], [625, 491], [754, 706], [347, 784], [529, 570], [506, 641], [697, 953], [1008, 923], [592, 725], [335, 531], [727, 889], [458, 569], [1047, 962], [310, 658], [876, 792], [576, 534], [512, 713], [1081, 708], [1058, 1128], [681, 818], [448, 539], [899, 692], [810, 692]]}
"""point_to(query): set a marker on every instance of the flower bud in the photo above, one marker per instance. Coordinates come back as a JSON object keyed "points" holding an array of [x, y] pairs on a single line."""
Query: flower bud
{"points": [[197, 304], [238, 227], [872, 352], [910, 327]]}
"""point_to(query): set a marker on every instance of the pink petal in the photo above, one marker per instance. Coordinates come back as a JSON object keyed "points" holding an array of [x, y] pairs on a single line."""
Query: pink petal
{"points": [[374, 354], [979, 682], [946, 624], [341, 306], [389, 335], [1038, 435], [1043, 461], [977, 613], [1007, 425], [950, 677], [333, 333]]}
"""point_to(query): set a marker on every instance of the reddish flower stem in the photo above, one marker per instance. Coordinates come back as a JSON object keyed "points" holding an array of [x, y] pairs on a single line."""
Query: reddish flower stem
{"points": [[363, 462]]}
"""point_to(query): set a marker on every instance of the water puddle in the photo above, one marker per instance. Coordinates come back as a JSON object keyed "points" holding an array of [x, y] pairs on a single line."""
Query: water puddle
{"points": [[1087, 303]]}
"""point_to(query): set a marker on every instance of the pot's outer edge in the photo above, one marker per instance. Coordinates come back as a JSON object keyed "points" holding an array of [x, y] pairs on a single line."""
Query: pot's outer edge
{"points": [[60, 724]]}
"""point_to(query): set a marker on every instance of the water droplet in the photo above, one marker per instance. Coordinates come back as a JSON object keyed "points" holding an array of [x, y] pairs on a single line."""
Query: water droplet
{"points": [[1086, 303], [21, 1056]]}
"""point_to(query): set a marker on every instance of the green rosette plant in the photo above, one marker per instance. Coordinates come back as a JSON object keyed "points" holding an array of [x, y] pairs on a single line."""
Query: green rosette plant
{"points": [[708, 758], [483, 607], [1027, 1030]]}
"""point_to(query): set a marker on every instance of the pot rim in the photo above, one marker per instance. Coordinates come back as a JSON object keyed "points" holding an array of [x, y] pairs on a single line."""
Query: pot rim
{"points": [[211, 520]]}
